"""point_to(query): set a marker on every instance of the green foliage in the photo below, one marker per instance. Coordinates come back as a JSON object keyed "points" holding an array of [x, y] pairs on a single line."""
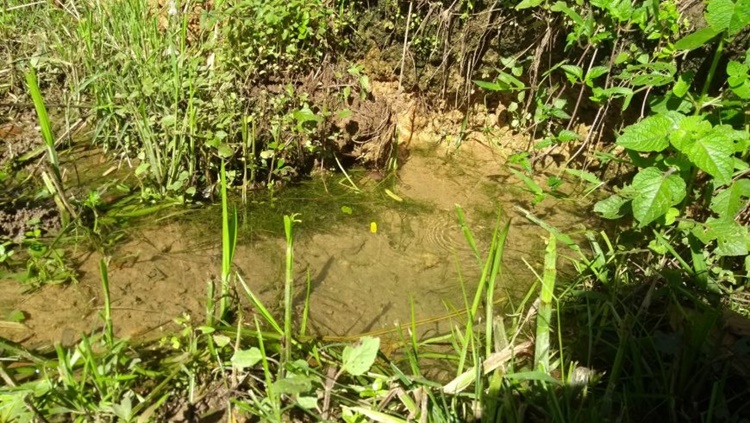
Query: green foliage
{"points": [[357, 359], [177, 98], [690, 184], [276, 37]]}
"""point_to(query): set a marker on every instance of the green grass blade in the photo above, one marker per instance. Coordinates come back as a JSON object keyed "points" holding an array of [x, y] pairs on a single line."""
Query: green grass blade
{"points": [[288, 286], [267, 316], [107, 313], [497, 268], [228, 243], [541, 353], [44, 122], [306, 310]]}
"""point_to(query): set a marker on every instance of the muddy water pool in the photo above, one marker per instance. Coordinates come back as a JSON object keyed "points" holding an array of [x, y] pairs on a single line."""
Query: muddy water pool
{"points": [[360, 281]]}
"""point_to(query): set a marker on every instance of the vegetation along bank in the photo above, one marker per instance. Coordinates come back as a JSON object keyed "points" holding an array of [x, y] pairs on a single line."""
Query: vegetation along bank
{"points": [[345, 210]]}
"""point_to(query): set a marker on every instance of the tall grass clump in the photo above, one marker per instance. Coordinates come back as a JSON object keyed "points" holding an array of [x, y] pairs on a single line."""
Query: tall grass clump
{"points": [[171, 86]]}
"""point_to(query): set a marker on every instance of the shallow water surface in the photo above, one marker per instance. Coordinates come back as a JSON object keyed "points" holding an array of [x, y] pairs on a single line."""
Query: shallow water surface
{"points": [[360, 281]]}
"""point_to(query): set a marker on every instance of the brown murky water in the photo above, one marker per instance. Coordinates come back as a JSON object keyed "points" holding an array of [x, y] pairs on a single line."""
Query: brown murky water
{"points": [[360, 281]]}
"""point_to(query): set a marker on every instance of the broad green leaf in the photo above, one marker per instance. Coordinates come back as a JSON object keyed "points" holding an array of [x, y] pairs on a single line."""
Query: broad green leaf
{"points": [[682, 86], [742, 90], [124, 410], [611, 208], [738, 138], [14, 408], [663, 104], [364, 82], [696, 39], [508, 62], [656, 192], [648, 135], [731, 237], [526, 4], [728, 15], [359, 358], [736, 69], [739, 79], [689, 129], [573, 73], [594, 73], [732, 200], [671, 215], [657, 246], [244, 359], [701, 233], [740, 165], [544, 143], [554, 183], [622, 58], [306, 115], [712, 153], [696, 125]]}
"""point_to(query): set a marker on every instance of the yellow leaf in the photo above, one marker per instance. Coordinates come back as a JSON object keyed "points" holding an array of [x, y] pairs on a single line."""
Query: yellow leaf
{"points": [[373, 227]]}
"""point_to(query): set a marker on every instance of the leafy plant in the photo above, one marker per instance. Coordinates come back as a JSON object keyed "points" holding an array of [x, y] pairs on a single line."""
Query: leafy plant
{"points": [[691, 165]]}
